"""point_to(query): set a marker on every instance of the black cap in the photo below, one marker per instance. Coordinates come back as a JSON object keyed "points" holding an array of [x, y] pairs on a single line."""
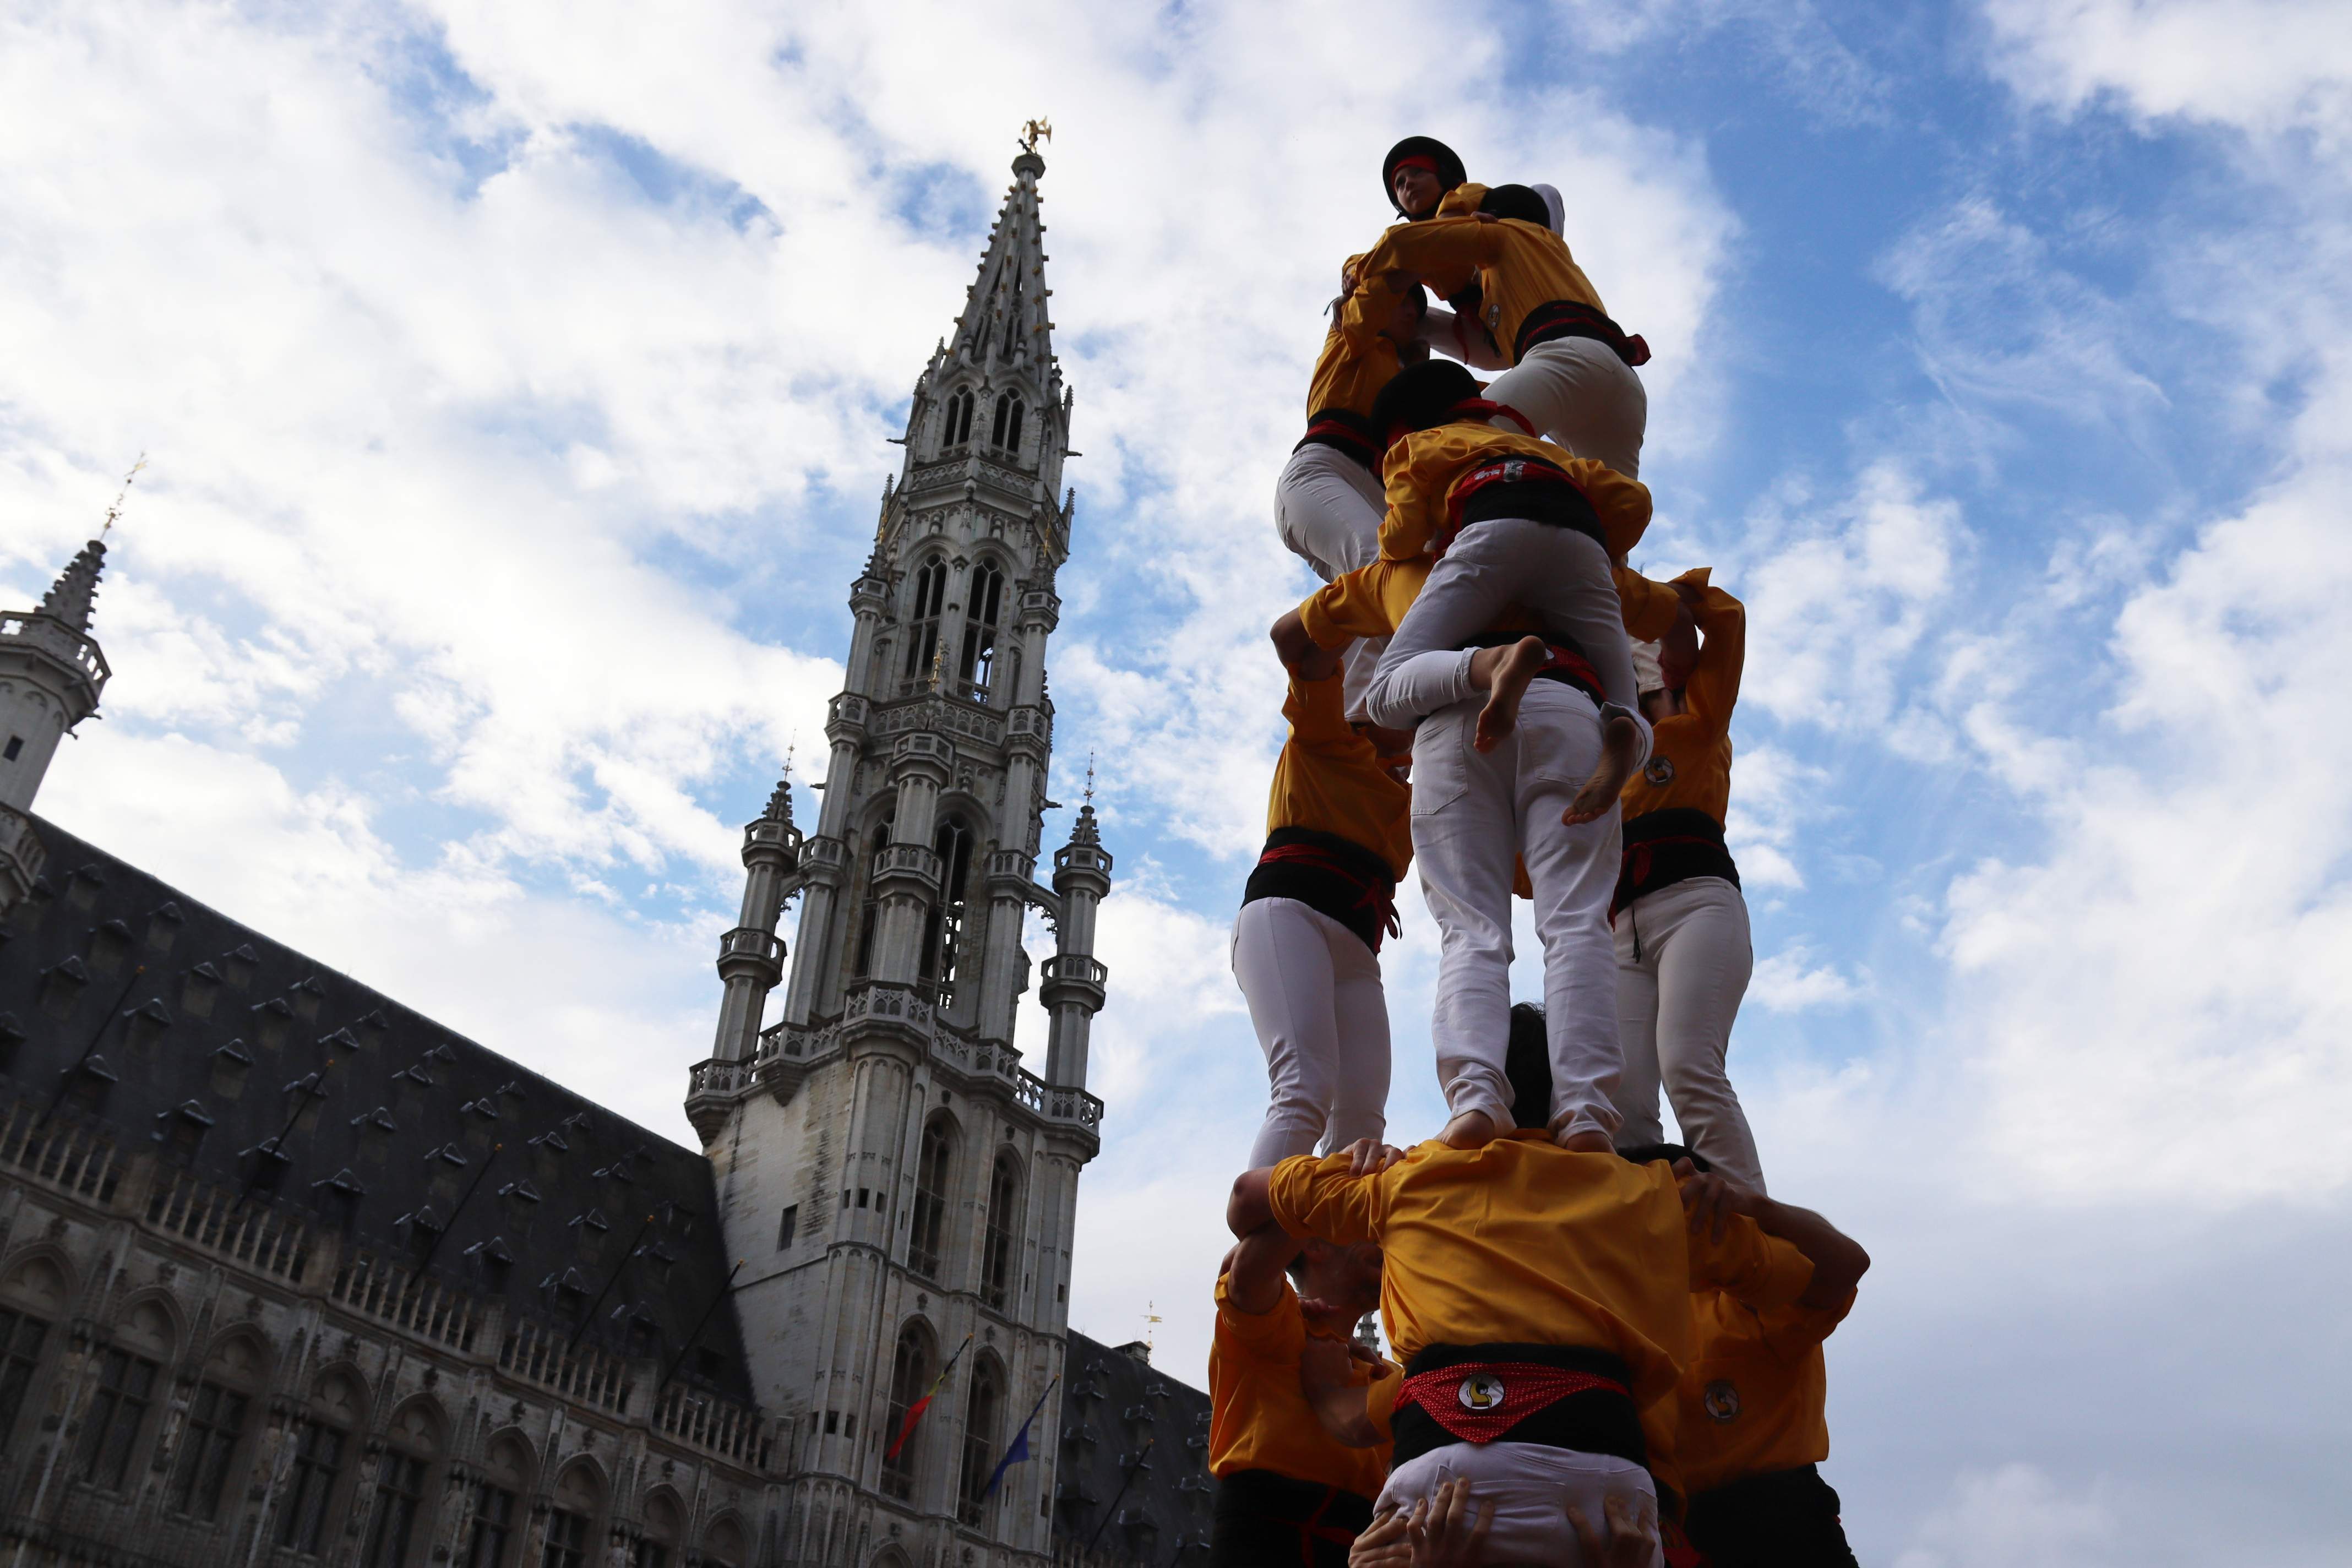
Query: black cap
{"points": [[1422, 395], [1520, 202], [1450, 172]]}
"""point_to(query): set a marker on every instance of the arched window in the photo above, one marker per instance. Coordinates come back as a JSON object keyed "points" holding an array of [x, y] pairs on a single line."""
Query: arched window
{"points": [[923, 612], [983, 1412], [943, 940], [499, 1516], [958, 418], [1003, 1218], [871, 915], [910, 1379], [657, 1547], [572, 1519], [31, 1303], [401, 1515], [931, 1173], [128, 1371], [1005, 433], [322, 1440], [978, 666], [235, 1377]]}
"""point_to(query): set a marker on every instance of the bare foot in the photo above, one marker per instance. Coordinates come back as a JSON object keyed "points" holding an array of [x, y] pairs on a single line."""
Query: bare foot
{"points": [[1618, 739], [1471, 1130], [1507, 682]]}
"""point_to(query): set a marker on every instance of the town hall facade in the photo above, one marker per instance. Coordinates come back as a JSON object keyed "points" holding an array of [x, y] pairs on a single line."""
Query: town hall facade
{"points": [[292, 1275]]}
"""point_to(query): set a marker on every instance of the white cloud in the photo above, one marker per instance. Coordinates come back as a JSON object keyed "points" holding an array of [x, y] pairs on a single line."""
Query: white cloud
{"points": [[1794, 980], [2015, 1517]]}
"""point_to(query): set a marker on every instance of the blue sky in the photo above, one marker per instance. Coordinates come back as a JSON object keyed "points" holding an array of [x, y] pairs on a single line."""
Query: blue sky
{"points": [[518, 381]]}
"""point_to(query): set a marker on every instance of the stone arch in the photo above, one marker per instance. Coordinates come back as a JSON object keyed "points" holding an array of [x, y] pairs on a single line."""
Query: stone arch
{"points": [[40, 1279], [220, 1430], [936, 1159], [662, 1535], [1000, 1261], [36, 1301], [890, 1557], [408, 1472], [726, 1544], [575, 1515], [499, 1508], [151, 1321], [914, 1362]]}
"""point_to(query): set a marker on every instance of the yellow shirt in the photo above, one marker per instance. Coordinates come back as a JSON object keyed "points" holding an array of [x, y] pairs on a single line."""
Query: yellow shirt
{"points": [[1519, 266], [1330, 779], [1371, 601], [1259, 1420], [1423, 469], [1525, 1241], [1754, 1399], [1690, 754], [1356, 360]]}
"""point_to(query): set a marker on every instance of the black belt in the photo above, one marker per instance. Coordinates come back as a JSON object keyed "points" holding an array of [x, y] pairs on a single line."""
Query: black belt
{"points": [[1662, 848], [1518, 486], [1597, 1421], [1343, 430], [1267, 1520], [1330, 875], [1784, 1519], [1569, 319]]}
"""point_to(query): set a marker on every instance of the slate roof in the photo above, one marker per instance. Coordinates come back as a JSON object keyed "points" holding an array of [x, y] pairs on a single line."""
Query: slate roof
{"points": [[280, 1086], [1133, 1476]]}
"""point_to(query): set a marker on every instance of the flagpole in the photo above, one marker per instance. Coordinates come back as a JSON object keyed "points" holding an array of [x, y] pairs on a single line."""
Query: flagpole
{"points": [[915, 1411], [1020, 1441]]}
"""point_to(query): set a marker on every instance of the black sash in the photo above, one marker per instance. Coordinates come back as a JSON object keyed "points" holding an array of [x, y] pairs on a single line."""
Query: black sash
{"points": [[1567, 318], [1265, 1519], [1662, 848], [1786, 1518], [1343, 430], [1330, 875]]}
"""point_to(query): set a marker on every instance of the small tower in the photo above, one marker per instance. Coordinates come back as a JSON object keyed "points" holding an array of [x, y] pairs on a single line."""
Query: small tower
{"points": [[750, 956], [51, 673], [888, 1157]]}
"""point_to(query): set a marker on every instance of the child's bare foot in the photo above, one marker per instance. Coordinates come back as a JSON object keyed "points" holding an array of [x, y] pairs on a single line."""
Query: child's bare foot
{"points": [[1507, 682], [1470, 1129], [1618, 739]]}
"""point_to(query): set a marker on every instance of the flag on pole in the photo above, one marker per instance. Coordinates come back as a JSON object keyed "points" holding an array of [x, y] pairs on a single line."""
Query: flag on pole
{"points": [[915, 1411], [1017, 1451]]}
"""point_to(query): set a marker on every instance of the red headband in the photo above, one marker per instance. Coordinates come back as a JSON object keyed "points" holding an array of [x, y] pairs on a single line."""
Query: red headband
{"points": [[1418, 160]]}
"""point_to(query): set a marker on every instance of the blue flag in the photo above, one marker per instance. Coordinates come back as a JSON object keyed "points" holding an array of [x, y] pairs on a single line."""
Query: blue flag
{"points": [[1017, 1451]]}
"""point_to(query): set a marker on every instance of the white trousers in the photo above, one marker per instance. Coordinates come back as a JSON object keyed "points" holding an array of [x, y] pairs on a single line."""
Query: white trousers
{"points": [[1557, 574], [1581, 394], [1676, 1003], [1532, 1486], [1314, 994], [1328, 508], [1475, 815]]}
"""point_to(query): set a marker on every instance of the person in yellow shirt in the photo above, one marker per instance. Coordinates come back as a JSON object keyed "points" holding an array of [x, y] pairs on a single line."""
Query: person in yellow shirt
{"points": [[1418, 173], [1677, 917], [1289, 1495], [1751, 1422], [1512, 521], [1306, 945], [1571, 364], [1538, 1298]]}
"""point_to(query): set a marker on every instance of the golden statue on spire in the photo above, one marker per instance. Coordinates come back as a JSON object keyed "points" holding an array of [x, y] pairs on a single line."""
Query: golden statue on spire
{"points": [[1033, 132]]}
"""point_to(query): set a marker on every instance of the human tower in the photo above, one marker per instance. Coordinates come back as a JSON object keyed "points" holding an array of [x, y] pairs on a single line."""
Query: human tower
{"points": [[1610, 1345]]}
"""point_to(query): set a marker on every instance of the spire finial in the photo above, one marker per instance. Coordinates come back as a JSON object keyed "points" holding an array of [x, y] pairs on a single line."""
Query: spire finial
{"points": [[124, 494], [780, 804], [1033, 132], [1090, 797]]}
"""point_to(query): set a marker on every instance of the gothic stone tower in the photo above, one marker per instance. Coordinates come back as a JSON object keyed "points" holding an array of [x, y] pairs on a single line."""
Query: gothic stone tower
{"points": [[899, 1186], [51, 673]]}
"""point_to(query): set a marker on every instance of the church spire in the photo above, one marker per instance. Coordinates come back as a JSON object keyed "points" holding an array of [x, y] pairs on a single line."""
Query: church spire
{"points": [[69, 598], [1005, 322]]}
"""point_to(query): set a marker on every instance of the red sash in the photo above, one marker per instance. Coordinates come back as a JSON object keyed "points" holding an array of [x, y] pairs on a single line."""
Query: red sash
{"points": [[1500, 1394]]}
